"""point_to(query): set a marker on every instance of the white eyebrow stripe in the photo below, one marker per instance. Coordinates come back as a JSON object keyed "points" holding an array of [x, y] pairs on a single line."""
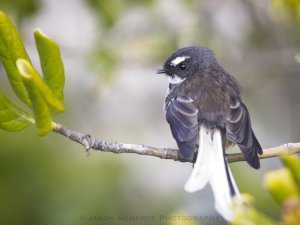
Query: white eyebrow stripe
{"points": [[179, 59]]}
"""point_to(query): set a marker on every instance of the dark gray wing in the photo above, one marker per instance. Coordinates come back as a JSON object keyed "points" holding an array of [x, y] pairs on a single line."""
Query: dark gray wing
{"points": [[182, 116], [239, 131]]}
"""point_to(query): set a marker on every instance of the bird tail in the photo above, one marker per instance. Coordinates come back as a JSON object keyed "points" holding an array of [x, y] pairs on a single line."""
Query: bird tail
{"points": [[211, 167]]}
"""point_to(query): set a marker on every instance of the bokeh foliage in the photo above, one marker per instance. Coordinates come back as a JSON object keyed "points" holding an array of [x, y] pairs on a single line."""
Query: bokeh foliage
{"points": [[20, 9], [284, 186]]}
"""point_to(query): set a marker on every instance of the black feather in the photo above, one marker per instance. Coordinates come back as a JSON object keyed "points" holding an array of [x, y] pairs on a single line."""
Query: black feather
{"points": [[239, 131], [181, 114]]}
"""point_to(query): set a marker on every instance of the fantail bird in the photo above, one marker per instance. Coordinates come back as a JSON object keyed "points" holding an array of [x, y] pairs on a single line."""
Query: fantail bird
{"points": [[206, 114]]}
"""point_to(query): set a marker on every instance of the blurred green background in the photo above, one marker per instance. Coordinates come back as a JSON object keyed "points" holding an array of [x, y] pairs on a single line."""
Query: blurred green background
{"points": [[111, 50]]}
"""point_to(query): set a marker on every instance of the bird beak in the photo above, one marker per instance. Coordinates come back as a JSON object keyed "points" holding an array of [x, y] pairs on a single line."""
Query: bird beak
{"points": [[160, 71]]}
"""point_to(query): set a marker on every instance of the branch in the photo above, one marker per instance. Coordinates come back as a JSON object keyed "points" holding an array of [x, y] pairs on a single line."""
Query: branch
{"points": [[90, 142]]}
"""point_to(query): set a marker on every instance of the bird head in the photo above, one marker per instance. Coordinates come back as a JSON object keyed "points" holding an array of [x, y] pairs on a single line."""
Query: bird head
{"points": [[186, 62]]}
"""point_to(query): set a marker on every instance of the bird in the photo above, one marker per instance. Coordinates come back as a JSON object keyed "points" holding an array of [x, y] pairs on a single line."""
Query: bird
{"points": [[206, 114]]}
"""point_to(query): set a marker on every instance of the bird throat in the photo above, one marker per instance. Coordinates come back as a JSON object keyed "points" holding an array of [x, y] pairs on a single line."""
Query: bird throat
{"points": [[175, 79]]}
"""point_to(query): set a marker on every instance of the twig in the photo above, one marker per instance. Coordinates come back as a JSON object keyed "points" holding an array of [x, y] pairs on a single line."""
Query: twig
{"points": [[90, 142]]}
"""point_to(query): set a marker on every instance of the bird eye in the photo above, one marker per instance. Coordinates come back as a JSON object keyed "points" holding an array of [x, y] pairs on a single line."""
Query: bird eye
{"points": [[182, 66]]}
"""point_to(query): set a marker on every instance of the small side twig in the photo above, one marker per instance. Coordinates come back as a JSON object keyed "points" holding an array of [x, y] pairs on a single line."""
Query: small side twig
{"points": [[90, 142]]}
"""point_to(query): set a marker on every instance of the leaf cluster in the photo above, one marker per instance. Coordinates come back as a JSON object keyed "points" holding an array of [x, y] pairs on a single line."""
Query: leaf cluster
{"points": [[42, 94], [284, 186]]}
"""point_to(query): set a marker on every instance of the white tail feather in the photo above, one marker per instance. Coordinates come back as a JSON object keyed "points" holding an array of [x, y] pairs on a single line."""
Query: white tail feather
{"points": [[210, 167], [203, 165]]}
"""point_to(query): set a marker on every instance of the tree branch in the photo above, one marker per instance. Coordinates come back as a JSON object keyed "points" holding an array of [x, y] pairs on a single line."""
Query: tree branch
{"points": [[90, 142]]}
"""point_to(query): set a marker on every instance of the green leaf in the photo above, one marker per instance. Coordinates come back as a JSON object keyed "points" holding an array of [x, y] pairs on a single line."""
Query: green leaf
{"points": [[12, 118], [12, 49], [51, 63], [280, 184], [252, 217], [292, 162], [246, 213], [25, 68], [39, 105]]}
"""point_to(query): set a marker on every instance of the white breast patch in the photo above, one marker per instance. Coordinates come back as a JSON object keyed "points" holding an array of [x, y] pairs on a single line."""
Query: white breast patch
{"points": [[175, 79]]}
